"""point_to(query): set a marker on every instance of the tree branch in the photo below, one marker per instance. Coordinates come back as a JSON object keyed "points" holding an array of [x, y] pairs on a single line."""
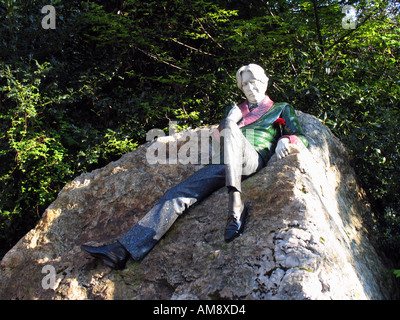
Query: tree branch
{"points": [[195, 49], [209, 35], [321, 42], [157, 58]]}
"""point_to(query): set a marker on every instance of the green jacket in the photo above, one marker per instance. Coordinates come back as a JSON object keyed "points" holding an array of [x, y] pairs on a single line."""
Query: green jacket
{"points": [[264, 133]]}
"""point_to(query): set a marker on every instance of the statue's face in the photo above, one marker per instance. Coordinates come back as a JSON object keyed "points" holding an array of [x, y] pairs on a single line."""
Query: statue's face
{"points": [[253, 89]]}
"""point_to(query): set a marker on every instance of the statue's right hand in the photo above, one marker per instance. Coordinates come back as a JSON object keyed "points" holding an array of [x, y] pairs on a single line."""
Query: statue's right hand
{"points": [[235, 114]]}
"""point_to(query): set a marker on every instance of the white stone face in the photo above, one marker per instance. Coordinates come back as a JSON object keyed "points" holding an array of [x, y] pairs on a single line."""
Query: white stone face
{"points": [[253, 89]]}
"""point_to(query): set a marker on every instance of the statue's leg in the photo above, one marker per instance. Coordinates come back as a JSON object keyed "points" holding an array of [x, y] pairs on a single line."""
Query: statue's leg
{"points": [[240, 158], [147, 232]]}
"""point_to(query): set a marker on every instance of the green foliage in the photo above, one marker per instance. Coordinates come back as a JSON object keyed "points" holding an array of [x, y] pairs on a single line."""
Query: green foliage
{"points": [[31, 153], [74, 98]]}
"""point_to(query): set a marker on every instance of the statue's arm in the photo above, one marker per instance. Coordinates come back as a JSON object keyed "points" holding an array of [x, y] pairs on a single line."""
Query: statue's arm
{"points": [[292, 129], [292, 132]]}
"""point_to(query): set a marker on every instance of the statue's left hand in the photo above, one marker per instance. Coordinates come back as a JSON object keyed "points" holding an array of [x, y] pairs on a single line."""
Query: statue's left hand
{"points": [[282, 149]]}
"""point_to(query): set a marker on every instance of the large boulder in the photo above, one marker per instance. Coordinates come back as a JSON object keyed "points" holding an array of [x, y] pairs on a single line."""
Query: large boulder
{"points": [[304, 237]]}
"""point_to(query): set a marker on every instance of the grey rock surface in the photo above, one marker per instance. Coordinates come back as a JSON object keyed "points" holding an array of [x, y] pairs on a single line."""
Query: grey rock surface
{"points": [[304, 237]]}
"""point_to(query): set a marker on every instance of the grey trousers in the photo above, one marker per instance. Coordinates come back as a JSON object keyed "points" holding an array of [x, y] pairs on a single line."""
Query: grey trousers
{"points": [[240, 160]]}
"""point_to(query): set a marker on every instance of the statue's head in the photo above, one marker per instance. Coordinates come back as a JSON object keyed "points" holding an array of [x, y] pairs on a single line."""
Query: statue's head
{"points": [[253, 81]]}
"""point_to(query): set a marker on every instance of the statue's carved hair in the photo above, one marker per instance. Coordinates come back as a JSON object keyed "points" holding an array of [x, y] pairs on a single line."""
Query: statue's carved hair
{"points": [[257, 72]]}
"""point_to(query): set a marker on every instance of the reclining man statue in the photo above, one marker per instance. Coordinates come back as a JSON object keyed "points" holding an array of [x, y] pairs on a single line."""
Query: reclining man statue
{"points": [[249, 135]]}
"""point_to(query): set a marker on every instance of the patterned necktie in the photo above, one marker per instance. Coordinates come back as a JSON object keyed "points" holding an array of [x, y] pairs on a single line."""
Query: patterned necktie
{"points": [[252, 106]]}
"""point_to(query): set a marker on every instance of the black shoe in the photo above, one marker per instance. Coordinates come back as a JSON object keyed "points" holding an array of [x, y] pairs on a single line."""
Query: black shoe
{"points": [[234, 227], [114, 255]]}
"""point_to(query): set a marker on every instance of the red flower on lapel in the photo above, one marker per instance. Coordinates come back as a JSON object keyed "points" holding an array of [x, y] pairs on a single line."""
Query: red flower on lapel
{"points": [[280, 121]]}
